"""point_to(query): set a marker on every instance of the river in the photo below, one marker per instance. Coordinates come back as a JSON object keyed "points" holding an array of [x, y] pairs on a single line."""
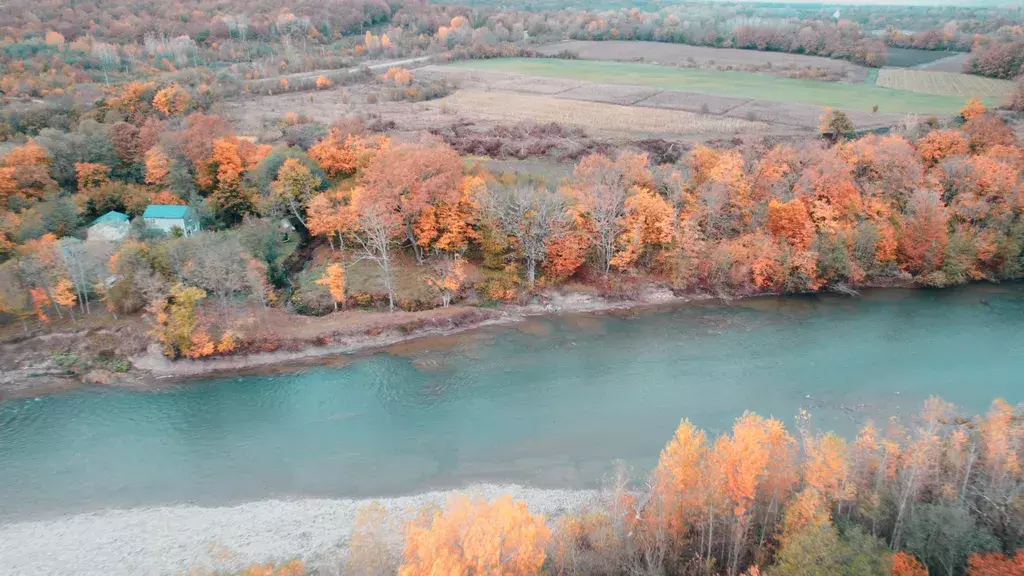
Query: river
{"points": [[551, 402]]}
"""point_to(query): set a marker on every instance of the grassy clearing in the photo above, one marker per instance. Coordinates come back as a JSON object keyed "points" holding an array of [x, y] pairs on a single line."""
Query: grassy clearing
{"points": [[936, 82], [740, 84]]}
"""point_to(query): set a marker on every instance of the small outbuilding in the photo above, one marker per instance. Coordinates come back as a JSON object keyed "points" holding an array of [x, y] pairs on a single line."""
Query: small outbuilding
{"points": [[167, 217], [111, 227]]}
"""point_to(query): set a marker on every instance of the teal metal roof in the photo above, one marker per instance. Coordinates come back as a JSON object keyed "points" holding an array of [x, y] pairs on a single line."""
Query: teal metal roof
{"points": [[165, 211], [112, 217]]}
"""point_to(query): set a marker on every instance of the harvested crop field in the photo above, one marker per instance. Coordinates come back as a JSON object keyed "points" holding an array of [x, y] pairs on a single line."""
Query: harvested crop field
{"points": [[954, 63], [596, 117], [774, 63], [935, 82], [609, 94], [734, 84]]}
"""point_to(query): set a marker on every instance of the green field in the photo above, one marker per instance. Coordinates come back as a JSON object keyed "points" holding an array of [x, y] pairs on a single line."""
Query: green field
{"points": [[737, 84]]}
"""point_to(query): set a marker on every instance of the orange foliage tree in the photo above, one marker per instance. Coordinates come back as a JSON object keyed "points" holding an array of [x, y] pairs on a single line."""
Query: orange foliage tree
{"points": [[647, 225], [972, 109], [923, 239], [328, 215], [91, 175], [791, 221], [157, 167], [341, 155], [25, 173], [996, 564], [938, 145], [477, 537], [413, 177], [827, 468], [680, 480], [905, 564], [566, 253], [746, 459], [600, 189], [449, 277], [172, 101], [448, 226]]}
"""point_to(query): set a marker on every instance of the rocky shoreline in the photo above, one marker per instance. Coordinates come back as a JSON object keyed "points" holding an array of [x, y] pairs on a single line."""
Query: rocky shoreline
{"points": [[192, 539]]}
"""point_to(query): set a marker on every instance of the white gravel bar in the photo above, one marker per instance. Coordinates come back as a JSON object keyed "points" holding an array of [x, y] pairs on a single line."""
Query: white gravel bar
{"points": [[180, 539]]}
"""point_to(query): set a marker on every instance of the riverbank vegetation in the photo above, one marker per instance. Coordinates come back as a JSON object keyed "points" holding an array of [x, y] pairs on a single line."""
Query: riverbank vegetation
{"points": [[357, 220], [109, 110], [936, 494]]}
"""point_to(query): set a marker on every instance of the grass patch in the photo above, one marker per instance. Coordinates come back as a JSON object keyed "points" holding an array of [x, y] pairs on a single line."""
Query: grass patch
{"points": [[907, 57], [740, 84], [872, 77]]}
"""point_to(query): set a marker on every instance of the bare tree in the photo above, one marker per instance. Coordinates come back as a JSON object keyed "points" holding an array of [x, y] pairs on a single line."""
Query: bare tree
{"points": [[532, 214], [85, 265], [922, 461], [107, 55], [219, 266], [603, 192], [376, 227]]}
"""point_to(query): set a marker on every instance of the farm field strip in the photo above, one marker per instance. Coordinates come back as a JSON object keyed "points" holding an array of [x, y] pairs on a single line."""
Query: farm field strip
{"points": [[597, 116], [736, 84], [701, 56], [943, 83]]}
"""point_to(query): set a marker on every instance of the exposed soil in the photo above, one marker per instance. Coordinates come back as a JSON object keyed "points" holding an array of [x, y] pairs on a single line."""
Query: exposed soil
{"points": [[40, 359]]}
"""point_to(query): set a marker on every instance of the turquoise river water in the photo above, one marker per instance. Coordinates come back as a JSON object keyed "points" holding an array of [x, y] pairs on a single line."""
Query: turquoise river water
{"points": [[551, 402]]}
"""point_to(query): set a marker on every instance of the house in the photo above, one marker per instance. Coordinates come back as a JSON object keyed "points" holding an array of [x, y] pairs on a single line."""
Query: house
{"points": [[111, 227], [167, 217]]}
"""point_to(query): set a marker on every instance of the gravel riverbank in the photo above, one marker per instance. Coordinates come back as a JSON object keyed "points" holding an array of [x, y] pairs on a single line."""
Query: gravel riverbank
{"points": [[179, 539]]}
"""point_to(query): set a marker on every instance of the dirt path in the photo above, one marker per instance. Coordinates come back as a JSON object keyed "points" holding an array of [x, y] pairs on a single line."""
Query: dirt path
{"points": [[373, 67]]}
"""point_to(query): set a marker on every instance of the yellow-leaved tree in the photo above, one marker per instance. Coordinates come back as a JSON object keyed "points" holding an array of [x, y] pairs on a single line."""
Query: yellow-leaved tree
{"points": [[334, 280], [175, 321], [477, 537]]}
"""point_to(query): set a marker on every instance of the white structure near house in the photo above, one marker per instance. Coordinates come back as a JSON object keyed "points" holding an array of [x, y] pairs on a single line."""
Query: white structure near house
{"points": [[111, 227], [167, 217]]}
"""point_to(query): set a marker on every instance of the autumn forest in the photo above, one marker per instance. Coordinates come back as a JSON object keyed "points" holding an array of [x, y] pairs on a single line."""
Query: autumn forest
{"points": [[184, 183]]}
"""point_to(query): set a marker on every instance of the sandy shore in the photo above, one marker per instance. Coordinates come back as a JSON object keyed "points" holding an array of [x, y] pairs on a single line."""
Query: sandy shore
{"points": [[177, 539]]}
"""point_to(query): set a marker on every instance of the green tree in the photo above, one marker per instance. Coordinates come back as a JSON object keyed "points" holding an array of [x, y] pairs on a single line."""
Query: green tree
{"points": [[836, 124], [815, 551], [819, 550], [944, 535], [294, 187]]}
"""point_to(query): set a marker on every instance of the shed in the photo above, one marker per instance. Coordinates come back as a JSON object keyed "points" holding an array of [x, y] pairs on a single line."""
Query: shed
{"points": [[111, 227], [167, 217]]}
